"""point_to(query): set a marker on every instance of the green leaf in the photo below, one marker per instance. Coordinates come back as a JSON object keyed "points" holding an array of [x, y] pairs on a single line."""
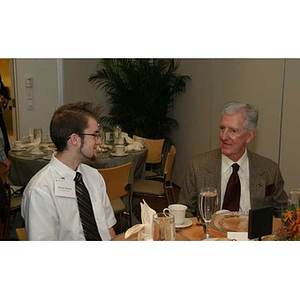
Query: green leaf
{"points": [[141, 94]]}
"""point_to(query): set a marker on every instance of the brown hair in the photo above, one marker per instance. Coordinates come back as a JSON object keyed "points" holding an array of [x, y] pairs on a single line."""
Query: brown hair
{"points": [[71, 118]]}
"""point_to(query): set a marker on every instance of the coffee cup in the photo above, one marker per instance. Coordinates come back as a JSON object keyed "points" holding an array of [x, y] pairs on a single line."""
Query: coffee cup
{"points": [[120, 149], [178, 211], [18, 145]]}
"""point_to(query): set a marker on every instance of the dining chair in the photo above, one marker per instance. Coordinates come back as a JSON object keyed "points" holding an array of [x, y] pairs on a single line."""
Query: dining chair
{"points": [[21, 234], [161, 190], [117, 188], [154, 156]]}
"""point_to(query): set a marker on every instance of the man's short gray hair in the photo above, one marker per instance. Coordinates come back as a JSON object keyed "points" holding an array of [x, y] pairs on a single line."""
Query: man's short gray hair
{"points": [[250, 113]]}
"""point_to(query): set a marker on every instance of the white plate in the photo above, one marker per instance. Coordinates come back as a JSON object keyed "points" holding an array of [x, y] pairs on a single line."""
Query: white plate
{"points": [[119, 155], [24, 146], [186, 223], [47, 157], [17, 150], [37, 153], [45, 145], [230, 221]]}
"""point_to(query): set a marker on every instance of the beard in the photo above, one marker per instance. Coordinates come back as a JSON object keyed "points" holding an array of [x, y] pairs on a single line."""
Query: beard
{"points": [[91, 157]]}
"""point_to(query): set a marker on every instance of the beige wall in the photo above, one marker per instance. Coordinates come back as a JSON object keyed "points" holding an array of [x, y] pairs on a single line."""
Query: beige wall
{"points": [[76, 85], [55, 82], [290, 142], [45, 93]]}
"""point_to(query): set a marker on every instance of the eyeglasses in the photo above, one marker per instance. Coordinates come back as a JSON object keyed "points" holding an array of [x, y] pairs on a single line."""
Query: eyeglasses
{"points": [[95, 135]]}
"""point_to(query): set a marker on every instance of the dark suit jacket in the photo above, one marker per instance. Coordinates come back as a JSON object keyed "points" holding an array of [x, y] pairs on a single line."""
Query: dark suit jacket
{"points": [[266, 182]]}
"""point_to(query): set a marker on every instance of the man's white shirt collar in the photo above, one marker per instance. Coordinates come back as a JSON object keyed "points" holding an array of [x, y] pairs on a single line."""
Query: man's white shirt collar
{"points": [[242, 162]]}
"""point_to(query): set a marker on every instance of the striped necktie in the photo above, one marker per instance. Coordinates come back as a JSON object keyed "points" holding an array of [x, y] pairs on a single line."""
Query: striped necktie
{"points": [[86, 213], [233, 191]]}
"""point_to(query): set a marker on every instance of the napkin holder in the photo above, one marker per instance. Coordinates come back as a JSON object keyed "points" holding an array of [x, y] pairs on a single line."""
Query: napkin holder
{"points": [[260, 222]]}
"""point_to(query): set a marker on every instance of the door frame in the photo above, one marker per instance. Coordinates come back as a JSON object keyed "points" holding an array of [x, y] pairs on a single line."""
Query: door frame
{"points": [[14, 97]]}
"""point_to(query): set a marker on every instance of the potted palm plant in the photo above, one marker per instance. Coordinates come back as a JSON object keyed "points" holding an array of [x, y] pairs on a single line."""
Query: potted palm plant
{"points": [[141, 93]]}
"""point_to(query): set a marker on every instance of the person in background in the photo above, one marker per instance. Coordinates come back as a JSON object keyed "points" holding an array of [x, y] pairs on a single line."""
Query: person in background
{"points": [[4, 141], [51, 204], [261, 182]]}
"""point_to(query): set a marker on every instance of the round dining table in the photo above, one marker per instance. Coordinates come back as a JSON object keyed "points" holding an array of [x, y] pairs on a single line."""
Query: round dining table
{"points": [[194, 231], [25, 165]]}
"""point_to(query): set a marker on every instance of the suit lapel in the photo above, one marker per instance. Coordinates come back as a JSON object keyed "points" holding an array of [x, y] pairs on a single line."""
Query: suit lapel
{"points": [[257, 181]]}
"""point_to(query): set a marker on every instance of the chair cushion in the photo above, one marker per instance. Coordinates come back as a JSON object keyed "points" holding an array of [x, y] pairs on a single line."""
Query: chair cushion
{"points": [[151, 187], [118, 205], [150, 174]]}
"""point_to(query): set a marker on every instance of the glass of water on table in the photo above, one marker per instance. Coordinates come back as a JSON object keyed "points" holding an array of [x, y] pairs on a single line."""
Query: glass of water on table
{"points": [[208, 205], [294, 197]]}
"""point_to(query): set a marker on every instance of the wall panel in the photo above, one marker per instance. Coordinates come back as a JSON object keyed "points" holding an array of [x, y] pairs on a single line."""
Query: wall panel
{"points": [[290, 143]]}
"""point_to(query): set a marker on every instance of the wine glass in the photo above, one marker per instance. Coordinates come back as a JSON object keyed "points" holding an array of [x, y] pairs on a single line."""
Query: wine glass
{"points": [[37, 135], [117, 133], [208, 205], [294, 197]]}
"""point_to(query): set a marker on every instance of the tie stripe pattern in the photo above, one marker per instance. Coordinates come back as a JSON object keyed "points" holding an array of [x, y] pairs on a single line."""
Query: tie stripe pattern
{"points": [[233, 191], [86, 212]]}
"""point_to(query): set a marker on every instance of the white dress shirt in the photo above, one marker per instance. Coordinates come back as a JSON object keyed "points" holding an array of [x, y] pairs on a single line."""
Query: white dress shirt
{"points": [[243, 173], [49, 215]]}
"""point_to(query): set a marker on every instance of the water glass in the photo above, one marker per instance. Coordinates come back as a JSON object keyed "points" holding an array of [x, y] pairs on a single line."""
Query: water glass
{"points": [[294, 197], [163, 227], [117, 131], [208, 205]]}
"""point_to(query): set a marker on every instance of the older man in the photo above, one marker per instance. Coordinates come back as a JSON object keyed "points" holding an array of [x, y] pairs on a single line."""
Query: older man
{"points": [[260, 182]]}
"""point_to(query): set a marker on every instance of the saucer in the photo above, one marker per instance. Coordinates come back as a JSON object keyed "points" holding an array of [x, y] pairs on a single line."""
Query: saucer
{"points": [[17, 150], [186, 223], [37, 152], [119, 155]]}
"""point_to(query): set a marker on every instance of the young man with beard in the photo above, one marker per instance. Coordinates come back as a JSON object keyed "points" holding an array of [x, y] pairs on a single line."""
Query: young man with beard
{"points": [[51, 207]]}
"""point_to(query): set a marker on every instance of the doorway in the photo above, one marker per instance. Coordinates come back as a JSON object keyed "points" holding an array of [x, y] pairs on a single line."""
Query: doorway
{"points": [[9, 113]]}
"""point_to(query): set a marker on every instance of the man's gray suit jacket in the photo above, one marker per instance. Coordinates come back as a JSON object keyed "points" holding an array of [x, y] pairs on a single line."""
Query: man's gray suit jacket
{"points": [[266, 182]]}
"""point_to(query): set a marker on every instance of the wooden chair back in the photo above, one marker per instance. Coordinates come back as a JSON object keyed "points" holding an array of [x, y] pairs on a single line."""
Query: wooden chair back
{"points": [[116, 180], [169, 163], [155, 150], [21, 234]]}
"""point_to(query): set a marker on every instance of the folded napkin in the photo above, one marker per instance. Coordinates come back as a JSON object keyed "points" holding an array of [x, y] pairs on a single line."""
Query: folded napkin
{"points": [[132, 144], [146, 215], [35, 149]]}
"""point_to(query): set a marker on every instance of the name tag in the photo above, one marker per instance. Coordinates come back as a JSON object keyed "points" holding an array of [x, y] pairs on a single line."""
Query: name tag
{"points": [[65, 188]]}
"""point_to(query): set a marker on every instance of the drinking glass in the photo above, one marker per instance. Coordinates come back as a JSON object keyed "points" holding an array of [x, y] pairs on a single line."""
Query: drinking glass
{"points": [[294, 197], [208, 205], [117, 133], [37, 135], [163, 227]]}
